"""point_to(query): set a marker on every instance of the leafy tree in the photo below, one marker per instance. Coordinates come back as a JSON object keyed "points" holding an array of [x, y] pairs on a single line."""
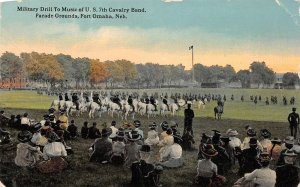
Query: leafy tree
{"points": [[98, 72], [201, 73], [11, 65], [290, 79], [261, 74], [245, 77], [81, 72]]}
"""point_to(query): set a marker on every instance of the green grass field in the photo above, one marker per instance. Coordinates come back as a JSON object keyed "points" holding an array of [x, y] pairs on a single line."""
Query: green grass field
{"points": [[236, 109]]}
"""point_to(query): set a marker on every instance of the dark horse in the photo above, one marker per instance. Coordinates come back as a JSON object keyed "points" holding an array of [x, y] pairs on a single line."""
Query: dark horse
{"points": [[219, 110]]}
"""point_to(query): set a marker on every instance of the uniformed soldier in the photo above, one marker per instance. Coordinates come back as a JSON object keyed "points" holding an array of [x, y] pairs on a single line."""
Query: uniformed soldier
{"points": [[152, 101], [293, 119], [130, 102], [67, 97], [75, 100], [165, 101], [60, 97]]}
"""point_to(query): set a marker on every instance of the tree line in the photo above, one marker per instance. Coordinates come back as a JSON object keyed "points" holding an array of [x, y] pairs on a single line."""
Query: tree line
{"points": [[62, 70]]}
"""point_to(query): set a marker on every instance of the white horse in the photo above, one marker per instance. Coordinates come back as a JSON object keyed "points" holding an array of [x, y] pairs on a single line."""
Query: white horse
{"points": [[150, 110], [141, 108], [55, 104], [112, 107], [201, 104], [127, 109]]}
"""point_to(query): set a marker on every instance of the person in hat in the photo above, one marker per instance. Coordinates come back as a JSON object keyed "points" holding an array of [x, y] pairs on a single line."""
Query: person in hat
{"points": [[152, 138], [94, 132], [102, 147], [207, 171], [132, 148], [205, 139], [165, 101], [64, 120], [152, 101], [230, 151], [266, 142], [25, 122], [249, 158], [251, 133], [234, 142], [174, 126], [263, 177], [166, 142], [217, 138], [52, 119], [222, 159], [137, 124], [27, 153], [54, 154], [75, 100], [67, 97], [275, 152], [118, 149], [287, 174], [46, 118], [188, 119], [3, 119], [164, 126], [294, 121], [130, 102], [144, 173], [288, 145], [37, 138], [114, 130], [4, 136], [72, 129], [172, 157], [85, 130], [12, 121]]}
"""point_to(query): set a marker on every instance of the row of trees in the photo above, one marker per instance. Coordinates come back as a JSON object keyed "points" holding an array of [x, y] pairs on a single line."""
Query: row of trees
{"points": [[63, 70]]}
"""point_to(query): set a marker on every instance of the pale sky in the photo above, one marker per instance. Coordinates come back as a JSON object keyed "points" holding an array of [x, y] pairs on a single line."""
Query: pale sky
{"points": [[235, 32]]}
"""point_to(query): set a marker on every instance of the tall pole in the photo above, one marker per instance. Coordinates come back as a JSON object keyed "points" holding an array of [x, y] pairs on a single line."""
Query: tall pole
{"points": [[193, 72]]}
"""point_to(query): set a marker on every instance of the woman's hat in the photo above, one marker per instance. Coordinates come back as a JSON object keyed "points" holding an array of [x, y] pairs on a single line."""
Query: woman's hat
{"points": [[251, 132], [164, 125], [289, 157], [232, 132], [276, 141], [265, 133], [208, 150], [106, 132], [152, 125], [169, 131], [53, 137], [225, 139], [289, 140], [133, 136], [37, 127], [264, 156], [137, 123], [145, 148], [289, 153], [177, 137], [216, 133], [62, 111], [24, 136]]}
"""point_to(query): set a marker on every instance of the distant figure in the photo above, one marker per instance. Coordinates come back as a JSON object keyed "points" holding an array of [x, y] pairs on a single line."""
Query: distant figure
{"points": [[188, 119], [293, 119], [85, 130]]}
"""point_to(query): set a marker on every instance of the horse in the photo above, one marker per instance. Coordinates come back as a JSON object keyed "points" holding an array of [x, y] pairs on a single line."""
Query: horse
{"points": [[218, 111], [150, 110], [55, 104], [201, 104], [112, 107], [127, 109], [93, 108]]}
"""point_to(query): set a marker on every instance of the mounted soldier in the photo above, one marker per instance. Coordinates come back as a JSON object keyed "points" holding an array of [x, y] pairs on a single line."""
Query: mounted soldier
{"points": [[67, 97], [117, 100], [130, 102], [75, 100], [152, 101], [60, 97], [165, 101], [96, 99]]}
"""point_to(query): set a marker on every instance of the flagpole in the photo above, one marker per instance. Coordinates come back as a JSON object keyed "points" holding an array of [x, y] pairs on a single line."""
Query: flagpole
{"points": [[193, 72]]}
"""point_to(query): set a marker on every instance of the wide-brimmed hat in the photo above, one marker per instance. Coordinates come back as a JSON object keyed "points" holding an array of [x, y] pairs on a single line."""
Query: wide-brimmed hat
{"points": [[276, 141], [264, 156], [106, 132], [289, 156], [169, 131], [177, 137], [216, 132], [145, 148], [62, 111], [225, 139], [164, 125], [289, 153], [208, 150], [120, 134], [53, 137], [253, 141], [51, 110], [46, 116], [133, 136], [24, 136], [37, 127], [174, 124], [265, 133], [232, 132], [289, 140], [251, 132], [137, 123], [152, 125], [294, 108]]}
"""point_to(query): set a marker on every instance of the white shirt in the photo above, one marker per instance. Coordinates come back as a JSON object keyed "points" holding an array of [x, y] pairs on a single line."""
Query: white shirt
{"points": [[54, 149], [25, 121], [1, 184], [174, 151], [246, 145], [114, 132], [234, 142], [140, 132], [206, 168], [264, 177], [266, 143], [118, 148], [152, 138]]}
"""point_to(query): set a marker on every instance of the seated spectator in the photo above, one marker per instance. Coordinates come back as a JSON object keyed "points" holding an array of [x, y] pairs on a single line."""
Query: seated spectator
{"points": [[72, 129], [94, 132], [37, 138], [264, 177], [3, 119], [137, 125], [288, 145], [275, 152], [46, 118], [12, 121], [164, 126], [85, 130], [132, 148], [27, 153], [166, 142], [287, 174], [207, 171], [4, 136], [54, 154], [250, 158], [46, 129], [64, 121], [102, 148], [144, 173], [250, 134], [18, 121], [25, 122], [114, 131], [152, 138], [266, 142], [172, 157], [118, 149]]}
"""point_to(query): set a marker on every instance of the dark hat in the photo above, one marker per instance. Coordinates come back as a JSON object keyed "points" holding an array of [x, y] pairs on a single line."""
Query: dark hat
{"points": [[145, 148], [174, 124], [294, 108], [51, 110], [289, 153], [177, 137], [121, 134], [46, 116], [217, 133], [164, 125], [225, 139], [106, 132], [265, 133], [24, 136], [276, 141], [231, 132], [113, 123], [37, 127], [208, 150], [51, 116], [158, 169], [53, 137], [137, 123], [169, 131], [289, 140], [134, 136], [253, 141], [152, 125], [251, 132], [62, 111]]}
